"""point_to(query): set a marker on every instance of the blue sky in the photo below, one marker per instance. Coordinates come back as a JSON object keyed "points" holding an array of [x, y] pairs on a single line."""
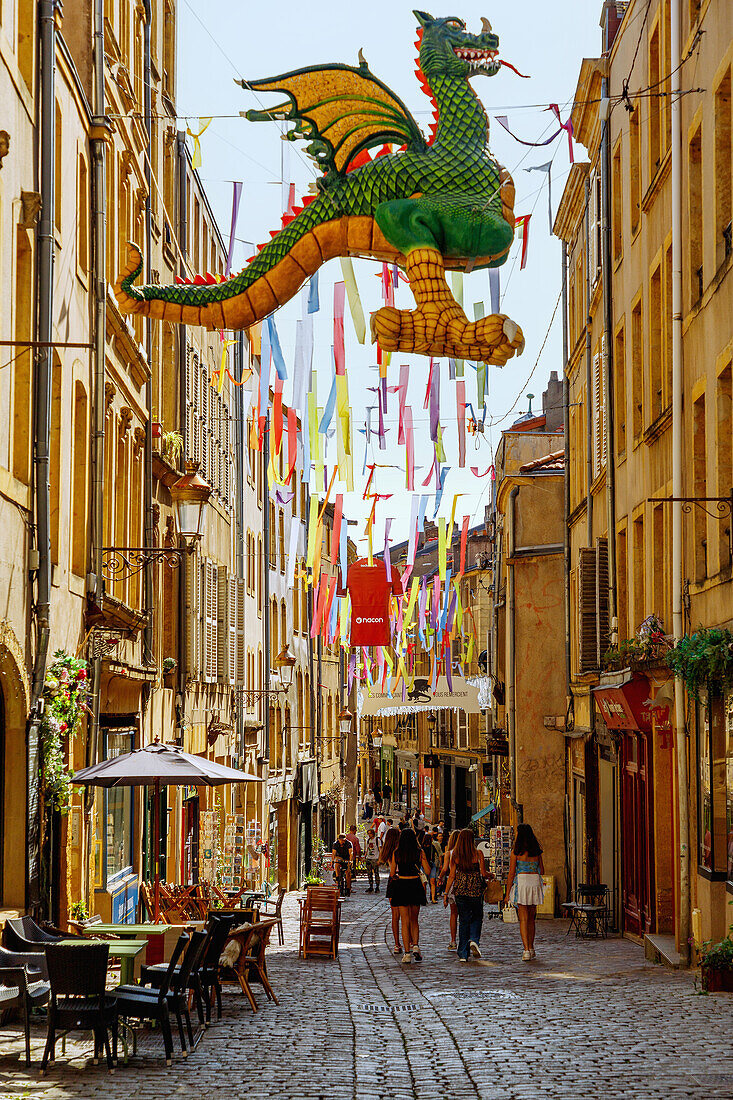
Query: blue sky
{"points": [[221, 40]]}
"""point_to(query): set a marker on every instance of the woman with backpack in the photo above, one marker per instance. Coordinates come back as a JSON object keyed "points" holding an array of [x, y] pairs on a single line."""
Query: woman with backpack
{"points": [[467, 881], [524, 886]]}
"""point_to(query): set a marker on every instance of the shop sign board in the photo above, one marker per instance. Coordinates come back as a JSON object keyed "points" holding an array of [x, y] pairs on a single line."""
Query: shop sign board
{"points": [[460, 695]]}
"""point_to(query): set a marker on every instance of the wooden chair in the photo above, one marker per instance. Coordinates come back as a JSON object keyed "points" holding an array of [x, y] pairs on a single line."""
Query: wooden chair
{"points": [[250, 964], [274, 909], [320, 917]]}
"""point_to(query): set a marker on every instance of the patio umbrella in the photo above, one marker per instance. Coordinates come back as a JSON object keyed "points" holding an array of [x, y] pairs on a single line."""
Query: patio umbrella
{"points": [[159, 766]]}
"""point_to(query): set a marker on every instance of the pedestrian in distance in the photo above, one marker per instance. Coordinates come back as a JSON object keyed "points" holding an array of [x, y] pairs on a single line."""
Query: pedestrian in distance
{"points": [[408, 892], [449, 898], [371, 855], [466, 881], [391, 840], [386, 797], [426, 843], [524, 886], [382, 830], [377, 792], [368, 806], [355, 849]]}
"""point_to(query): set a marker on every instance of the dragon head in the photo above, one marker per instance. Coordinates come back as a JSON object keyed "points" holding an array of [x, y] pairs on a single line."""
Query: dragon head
{"points": [[448, 49]]}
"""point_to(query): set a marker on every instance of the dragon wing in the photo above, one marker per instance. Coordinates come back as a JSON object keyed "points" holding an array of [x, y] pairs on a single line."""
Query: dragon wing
{"points": [[342, 110]]}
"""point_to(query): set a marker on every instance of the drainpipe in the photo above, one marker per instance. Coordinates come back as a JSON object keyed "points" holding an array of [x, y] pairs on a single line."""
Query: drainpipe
{"points": [[148, 637], [588, 373], [607, 276], [99, 217], [677, 485], [266, 578], [182, 228], [42, 428], [510, 654]]}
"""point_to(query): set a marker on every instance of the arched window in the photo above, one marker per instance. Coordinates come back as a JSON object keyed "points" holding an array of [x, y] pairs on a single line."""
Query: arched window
{"points": [[303, 605], [82, 206], [79, 514], [59, 190], [281, 540], [296, 608], [260, 681], [55, 458], [273, 534], [328, 732], [274, 650], [260, 575], [283, 625]]}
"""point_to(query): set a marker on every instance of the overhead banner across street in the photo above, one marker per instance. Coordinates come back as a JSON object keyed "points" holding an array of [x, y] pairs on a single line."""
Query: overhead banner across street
{"points": [[463, 696]]}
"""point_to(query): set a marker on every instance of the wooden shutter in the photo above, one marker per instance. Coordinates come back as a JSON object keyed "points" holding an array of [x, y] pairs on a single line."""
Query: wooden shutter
{"points": [[599, 413], [603, 626], [193, 616], [222, 626], [241, 660], [587, 636], [211, 620]]}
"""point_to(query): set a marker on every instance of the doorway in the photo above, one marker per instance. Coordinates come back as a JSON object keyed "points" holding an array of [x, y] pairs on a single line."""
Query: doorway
{"points": [[637, 839], [190, 860]]}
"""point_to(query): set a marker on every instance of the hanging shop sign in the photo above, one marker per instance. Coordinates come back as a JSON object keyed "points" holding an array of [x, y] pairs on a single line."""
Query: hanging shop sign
{"points": [[368, 205], [460, 695], [497, 746], [626, 706]]}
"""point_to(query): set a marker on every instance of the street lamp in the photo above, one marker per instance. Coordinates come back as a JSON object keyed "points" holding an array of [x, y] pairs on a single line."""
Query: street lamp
{"points": [[190, 495], [285, 663], [345, 720]]}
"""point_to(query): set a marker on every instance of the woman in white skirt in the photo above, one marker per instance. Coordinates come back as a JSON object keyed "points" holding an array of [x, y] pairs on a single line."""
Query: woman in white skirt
{"points": [[524, 887]]}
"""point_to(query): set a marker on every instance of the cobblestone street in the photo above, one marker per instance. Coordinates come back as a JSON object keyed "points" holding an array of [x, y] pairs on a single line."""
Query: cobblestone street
{"points": [[586, 1019]]}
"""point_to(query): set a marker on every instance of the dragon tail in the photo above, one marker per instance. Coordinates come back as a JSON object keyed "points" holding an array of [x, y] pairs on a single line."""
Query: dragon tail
{"points": [[271, 279]]}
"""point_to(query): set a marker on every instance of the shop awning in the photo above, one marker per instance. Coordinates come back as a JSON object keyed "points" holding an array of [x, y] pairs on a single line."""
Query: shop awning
{"points": [[625, 706]]}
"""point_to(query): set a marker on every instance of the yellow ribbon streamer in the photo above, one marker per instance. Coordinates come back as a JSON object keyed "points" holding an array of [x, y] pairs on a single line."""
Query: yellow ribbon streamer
{"points": [[352, 293], [196, 158]]}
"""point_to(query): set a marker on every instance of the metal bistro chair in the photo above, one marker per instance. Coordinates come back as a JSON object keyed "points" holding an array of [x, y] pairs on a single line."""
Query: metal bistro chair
{"points": [[23, 986], [204, 981], [589, 912], [78, 974], [152, 1004]]}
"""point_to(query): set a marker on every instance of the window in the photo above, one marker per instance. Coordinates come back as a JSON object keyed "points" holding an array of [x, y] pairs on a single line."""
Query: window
{"points": [[667, 327], [655, 104], [655, 344], [303, 606], [296, 608], [714, 722], [283, 625], [260, 575], [55, 458], [637, 369], [58, 169], [79, 515], [639, 566], [619, 368], [273, 537], [599, 411], [659, 560], [666, 70], [594, 228], [82, 221], [115, 823], [695, 227], [273, 633], [26, 39], [723, 241], [635, 167], [617, 204], [699, 487], [22, 369], [281, 540], [724, 447], [622, 567]]}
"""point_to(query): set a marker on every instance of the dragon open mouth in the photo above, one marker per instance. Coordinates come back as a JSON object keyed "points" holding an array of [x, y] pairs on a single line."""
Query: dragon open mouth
{"points": [[478, 59]]}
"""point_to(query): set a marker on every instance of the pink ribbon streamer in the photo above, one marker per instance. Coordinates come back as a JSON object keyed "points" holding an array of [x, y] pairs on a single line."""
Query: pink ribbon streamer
{"points": [[409, 450], [474, 471], [402, 391], [461, 414], [387, 559], [464, 539], [339, 351], [338, 511]]}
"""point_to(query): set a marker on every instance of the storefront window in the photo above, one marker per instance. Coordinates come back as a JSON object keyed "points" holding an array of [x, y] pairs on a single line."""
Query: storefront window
{"points": [[117, 811], [713, 721]]}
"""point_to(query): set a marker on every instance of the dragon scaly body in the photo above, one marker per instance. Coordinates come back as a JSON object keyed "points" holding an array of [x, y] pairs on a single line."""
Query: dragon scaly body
{"points": [[446, 203]]}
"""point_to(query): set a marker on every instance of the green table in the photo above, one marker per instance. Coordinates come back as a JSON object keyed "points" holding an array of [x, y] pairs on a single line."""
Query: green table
{"points": [[124, 950], [125, 930]]}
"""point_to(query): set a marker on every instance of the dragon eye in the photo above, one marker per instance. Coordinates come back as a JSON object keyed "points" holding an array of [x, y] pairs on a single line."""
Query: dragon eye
{"points": [[457, 23]]}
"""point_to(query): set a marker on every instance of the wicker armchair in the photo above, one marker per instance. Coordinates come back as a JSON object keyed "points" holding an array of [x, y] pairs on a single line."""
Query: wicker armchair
{"points": [[78, 973], [22, 987]]}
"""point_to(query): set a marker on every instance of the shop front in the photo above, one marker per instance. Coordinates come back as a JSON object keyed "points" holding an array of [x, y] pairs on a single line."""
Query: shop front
{"points": [[714, 893], [457, 791], [307, 787], [190, 836], [116, 884], [405, 787], [644, 780]]}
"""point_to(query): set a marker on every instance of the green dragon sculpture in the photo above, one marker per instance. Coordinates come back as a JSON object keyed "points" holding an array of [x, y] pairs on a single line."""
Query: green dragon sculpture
{"points": [[431, 205]]}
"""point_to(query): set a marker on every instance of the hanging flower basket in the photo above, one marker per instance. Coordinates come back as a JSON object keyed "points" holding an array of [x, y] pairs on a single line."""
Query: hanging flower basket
{"points": [[65, 700], [704, 661]]}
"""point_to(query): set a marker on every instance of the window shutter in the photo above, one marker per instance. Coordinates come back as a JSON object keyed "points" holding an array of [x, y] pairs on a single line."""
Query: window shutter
{"points": [[587, 637], [222, 624], [603, 626], [240, 671], [211, 600], [232, 629], [193, 616], [597, 413]]}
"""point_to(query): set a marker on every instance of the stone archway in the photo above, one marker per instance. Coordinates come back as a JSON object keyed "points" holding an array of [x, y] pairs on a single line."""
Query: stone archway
{"points": [[16, 697]]}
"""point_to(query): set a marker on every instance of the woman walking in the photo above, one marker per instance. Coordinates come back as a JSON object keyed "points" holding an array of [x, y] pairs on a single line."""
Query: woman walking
{"points": [[391, 840], [448, 898], [466, 881], [408, 892], [525, 876]]}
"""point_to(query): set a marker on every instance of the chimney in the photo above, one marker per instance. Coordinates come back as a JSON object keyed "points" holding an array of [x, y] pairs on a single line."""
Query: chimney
{"points": [[612, 15], [552, 404]]}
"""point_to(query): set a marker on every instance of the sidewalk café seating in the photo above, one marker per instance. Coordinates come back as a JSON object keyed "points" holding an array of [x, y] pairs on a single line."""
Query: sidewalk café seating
{"points": [[204, 980], [320, 918], [23, 934], [23, 985], [589, 912], [274, 908], [78, 973], [244, 956], [142, 1003]]}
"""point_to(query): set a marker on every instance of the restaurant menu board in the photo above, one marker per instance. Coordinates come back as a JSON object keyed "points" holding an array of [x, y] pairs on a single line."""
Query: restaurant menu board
{"points": [[501, 840], [209, 845]]}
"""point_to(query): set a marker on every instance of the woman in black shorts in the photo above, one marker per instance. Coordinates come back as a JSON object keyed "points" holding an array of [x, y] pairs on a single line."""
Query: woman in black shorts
{"points": [[391, 840], [408, 892]]}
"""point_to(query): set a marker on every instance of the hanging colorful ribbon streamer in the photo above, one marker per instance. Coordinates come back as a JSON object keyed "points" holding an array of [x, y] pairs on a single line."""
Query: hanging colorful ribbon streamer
{"points": [[236, 196], [339, 351], [196, 156], [547, 169], [461, 416], [521, 227], [566, 126], [352, 293]]}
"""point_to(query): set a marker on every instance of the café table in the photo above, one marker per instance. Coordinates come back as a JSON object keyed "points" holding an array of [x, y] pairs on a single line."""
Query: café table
{"points": [[124, 950]]}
